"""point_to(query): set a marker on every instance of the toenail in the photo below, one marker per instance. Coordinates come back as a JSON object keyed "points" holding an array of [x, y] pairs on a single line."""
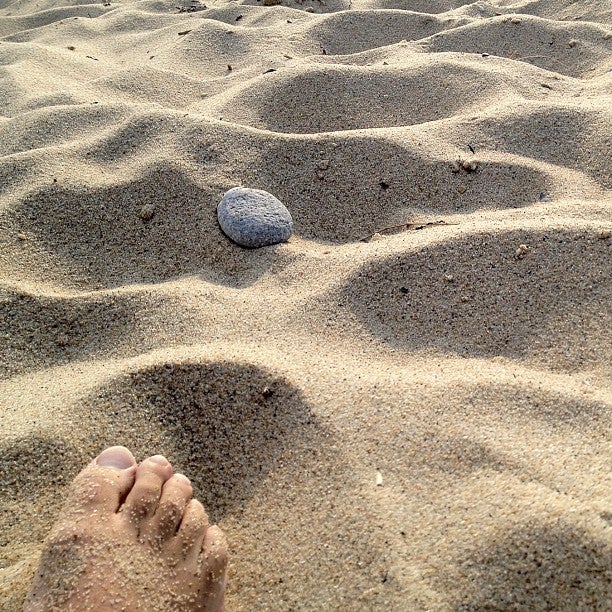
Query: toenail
{"points": [[182, 478], [116, 457], [159, 459]]}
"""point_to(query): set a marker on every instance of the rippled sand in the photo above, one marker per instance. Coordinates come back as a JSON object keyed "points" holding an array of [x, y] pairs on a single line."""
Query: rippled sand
{"points": [[405, 407]]}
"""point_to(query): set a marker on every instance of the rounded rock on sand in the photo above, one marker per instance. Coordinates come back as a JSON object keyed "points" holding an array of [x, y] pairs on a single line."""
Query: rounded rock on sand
{"points": [[254, 218]]}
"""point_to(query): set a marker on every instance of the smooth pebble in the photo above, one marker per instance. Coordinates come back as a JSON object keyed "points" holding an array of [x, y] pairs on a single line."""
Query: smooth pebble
{"points": [[254, 218]]}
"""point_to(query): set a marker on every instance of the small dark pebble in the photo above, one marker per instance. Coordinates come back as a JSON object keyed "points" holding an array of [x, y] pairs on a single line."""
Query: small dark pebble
{"points": [[267, 392]]}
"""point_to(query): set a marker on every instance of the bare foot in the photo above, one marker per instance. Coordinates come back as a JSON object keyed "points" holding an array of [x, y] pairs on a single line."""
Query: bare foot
{"points": [[131, 538]]}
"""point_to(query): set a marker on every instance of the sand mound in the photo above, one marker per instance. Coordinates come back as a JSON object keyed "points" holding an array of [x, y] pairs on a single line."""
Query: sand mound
{"points": [[407, 406], [367, 96], [576, 50], [208, 417], [475, 296]]}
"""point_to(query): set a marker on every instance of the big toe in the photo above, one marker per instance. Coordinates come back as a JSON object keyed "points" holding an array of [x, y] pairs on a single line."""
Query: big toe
{"points": [[102, 486]]}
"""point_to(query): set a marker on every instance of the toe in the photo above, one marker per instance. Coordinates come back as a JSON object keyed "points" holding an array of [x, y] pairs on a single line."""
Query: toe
{"points": [[215, 566], [104, 483], [189, 539], [175, 496], [143, 499]]}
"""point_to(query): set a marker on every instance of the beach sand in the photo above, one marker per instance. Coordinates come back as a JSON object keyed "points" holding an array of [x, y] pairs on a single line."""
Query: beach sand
{"points": [[406, 406]]}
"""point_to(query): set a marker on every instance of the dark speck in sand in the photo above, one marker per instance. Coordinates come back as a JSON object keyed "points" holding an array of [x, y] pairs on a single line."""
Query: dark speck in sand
{"points": [[267, 392]]}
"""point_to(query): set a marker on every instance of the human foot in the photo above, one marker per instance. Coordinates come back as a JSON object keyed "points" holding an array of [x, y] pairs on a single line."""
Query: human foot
{"points": [[131, 538]]}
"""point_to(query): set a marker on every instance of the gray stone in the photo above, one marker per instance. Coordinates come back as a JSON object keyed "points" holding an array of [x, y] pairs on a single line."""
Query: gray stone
{"points": [[254, 218]]}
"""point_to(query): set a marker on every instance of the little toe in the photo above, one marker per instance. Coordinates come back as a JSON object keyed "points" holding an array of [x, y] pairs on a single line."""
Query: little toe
{"points": [[215, 565], [103, 484], [143, 499], [163, 525]]}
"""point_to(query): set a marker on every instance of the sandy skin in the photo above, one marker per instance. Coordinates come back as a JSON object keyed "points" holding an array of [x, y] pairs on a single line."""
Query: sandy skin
{"points": [[131, 537]]}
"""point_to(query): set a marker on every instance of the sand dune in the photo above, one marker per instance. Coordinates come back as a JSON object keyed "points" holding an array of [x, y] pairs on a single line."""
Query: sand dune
{"points": [[440, 318]]}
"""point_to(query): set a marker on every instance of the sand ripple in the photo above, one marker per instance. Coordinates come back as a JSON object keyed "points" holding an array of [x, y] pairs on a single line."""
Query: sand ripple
{"points": [[440, 318]]}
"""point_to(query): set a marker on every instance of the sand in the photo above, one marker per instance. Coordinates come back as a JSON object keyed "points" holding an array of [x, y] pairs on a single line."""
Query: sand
{"points": [[406, 406]]}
